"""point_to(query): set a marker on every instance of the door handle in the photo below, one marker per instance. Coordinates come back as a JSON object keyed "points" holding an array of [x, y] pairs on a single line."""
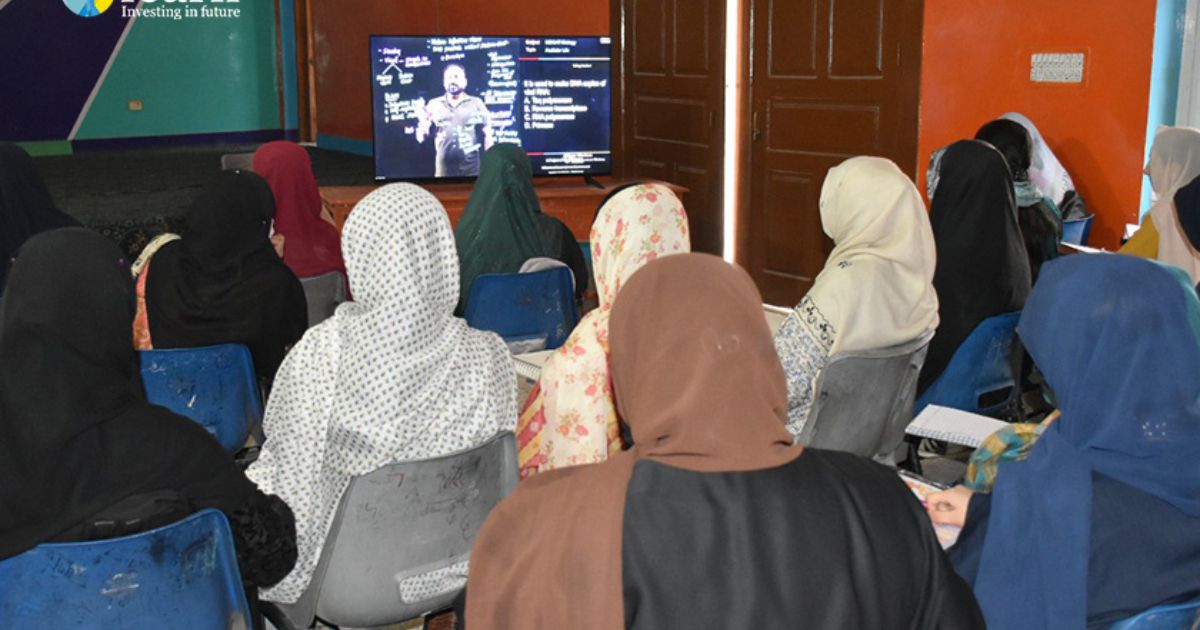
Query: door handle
{"points": [[755, 132]]}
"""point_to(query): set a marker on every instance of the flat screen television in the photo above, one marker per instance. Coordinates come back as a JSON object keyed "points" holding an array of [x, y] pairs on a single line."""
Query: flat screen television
{"points": [[438, 102]]}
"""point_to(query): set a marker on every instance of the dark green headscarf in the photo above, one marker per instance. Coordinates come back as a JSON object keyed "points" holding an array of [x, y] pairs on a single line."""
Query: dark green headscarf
{"points": [[499, 229]]}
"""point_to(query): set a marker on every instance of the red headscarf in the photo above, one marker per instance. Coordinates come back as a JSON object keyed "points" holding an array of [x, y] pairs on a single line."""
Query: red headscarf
{"points": [[313, 246]]}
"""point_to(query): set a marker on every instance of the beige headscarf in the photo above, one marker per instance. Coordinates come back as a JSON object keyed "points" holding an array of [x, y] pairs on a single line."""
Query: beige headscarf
{"points": [[570, 418], [876, 289], [1174, 163], [549, 556]]}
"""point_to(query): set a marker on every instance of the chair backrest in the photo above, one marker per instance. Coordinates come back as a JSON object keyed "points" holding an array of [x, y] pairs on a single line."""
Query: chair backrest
{"points": [[523, 307], [183, 575], [864, 400], [237, 162], [982, 376], [213, 385], [1183, 616], [399, 544], [1076, 231], [323, 293]]}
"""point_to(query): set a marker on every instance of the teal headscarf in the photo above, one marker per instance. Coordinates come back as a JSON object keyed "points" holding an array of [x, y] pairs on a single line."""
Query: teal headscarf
{"points": [[498, 230]]}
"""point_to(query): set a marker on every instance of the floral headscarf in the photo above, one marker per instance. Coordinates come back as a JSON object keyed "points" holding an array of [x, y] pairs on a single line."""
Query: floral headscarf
{"points": [[570, 418]]}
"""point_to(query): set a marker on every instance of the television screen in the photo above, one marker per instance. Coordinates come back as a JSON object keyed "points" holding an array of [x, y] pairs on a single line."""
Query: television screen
{"points": [[439, 102]]}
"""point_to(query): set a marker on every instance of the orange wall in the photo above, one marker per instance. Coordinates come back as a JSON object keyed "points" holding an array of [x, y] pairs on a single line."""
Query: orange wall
{"points": [[976, 67], [340, 31]]}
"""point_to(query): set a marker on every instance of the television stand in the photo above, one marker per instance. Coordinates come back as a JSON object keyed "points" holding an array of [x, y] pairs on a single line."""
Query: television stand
{"points": [[563, 198]]}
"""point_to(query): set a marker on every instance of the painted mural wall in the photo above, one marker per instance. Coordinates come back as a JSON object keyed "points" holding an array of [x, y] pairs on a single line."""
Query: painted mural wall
{"points": [[64, 76], [977, 66]]}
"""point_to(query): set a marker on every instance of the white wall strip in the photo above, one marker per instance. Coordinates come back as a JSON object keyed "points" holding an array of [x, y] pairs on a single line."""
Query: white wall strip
{"points": [[103, 74]]}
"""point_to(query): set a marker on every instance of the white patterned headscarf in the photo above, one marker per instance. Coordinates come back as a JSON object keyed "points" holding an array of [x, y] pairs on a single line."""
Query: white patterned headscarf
{"points": [[392, 376], [876, 289]]}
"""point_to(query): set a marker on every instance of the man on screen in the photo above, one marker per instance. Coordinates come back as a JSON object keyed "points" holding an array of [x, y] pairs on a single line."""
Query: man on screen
{"points": [[457, 115]]}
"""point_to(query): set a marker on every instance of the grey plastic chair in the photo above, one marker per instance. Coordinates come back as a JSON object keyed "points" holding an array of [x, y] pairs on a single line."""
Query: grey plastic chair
{"points": [[394, 528], [864, 400], [238, 162], [323, 294]]}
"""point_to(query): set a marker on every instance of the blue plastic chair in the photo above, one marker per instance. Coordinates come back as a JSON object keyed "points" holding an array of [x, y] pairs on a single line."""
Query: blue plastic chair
{"points": [[525, 307], [1076, 231], [183, 575], [213, 385], [1185, 616], [986, 363]]}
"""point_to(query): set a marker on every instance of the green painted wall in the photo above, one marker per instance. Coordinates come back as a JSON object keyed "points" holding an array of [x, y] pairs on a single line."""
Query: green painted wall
{"points": [[194, 76]]}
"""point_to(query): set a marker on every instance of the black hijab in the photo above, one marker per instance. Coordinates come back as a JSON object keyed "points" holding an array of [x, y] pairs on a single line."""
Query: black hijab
{"points": [[1013, 142], [1041, 226], [982, 266], [25, 205], [223, 282], [76, 432], [1187, 208]]}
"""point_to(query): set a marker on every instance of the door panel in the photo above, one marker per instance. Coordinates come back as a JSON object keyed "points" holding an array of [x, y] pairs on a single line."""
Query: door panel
{"points": [[830, 79], [672, 114]]}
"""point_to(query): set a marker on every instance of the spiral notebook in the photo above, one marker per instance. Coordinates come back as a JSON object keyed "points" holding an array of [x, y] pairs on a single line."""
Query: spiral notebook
{"points": [[953, 425], [529, 365]]}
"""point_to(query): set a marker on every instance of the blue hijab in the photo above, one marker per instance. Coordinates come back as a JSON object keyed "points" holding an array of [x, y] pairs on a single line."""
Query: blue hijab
{"points": [[1118, 339]]}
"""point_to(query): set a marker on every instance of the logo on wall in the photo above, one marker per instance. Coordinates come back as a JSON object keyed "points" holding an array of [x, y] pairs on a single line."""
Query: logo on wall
{"points": [[88, 8]]}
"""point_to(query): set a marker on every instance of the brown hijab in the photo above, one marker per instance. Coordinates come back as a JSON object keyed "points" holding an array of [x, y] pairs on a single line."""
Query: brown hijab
{"points": [[549, 556]]}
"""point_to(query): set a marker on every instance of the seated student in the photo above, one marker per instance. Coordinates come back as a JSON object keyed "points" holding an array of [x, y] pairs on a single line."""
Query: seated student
{"points": [[78, 441], [391, 376], [1102, 518], [503, 225], [25, 205], [313, 245], [982, 266], [713, 519], [569, 417], [1041, 227], [876, 289], [223, 281], [1174, 163], [1048, 174]]}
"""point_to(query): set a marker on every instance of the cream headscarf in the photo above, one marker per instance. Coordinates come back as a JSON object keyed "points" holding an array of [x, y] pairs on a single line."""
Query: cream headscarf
{"points": [[392, 376], [876, 289], [1174, 163], [570, 418]]}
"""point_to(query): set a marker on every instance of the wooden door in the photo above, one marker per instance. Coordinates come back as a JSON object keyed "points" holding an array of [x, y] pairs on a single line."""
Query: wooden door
{"points": [[829, 80], [671, 117]]}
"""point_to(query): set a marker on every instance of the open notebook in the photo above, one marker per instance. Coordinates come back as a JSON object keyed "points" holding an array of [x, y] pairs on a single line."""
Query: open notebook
{"points": [[775, 316], [529, 365], [921, 488], [953, 425]]}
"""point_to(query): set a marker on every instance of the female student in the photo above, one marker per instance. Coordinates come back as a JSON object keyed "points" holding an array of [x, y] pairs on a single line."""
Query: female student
{"points": [[1102, 518], [391, 376], [79, 443], [876, 289], [982, 266], [503, 225], [25, 205], [569, 418], [1046, 172], [1041, 226], [1174, 163], [714, 518], [223, 282], [312, 244]]}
